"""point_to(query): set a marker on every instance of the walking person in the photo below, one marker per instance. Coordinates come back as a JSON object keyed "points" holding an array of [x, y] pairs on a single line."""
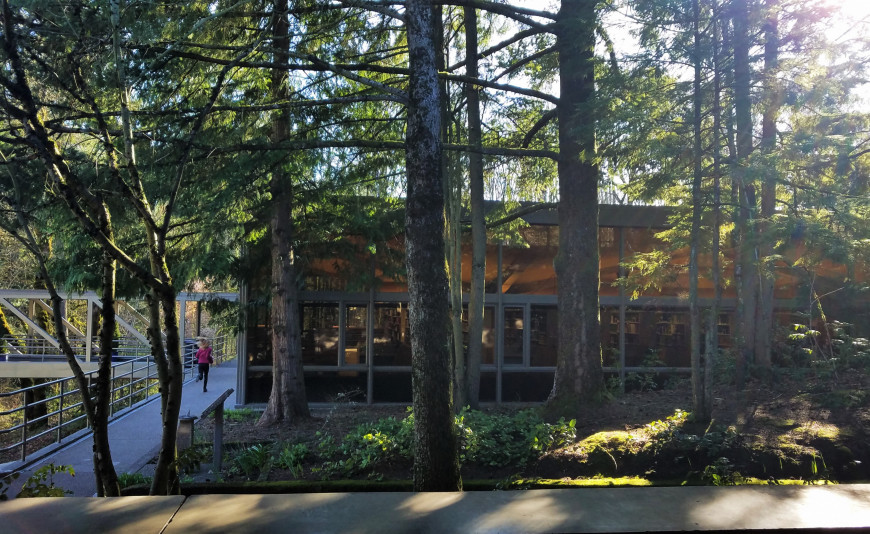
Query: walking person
{"points": [[204, 359]]}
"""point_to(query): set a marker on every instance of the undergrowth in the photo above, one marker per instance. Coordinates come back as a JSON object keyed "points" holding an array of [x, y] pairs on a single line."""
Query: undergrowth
{"points": [[493, 440]]}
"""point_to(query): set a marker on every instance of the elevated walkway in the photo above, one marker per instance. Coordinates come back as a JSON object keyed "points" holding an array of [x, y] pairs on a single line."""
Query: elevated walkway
{"points": [[134, 438], [843, 508], [37, 353]]}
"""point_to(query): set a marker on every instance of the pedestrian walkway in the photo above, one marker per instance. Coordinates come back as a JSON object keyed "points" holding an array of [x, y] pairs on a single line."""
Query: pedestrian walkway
{"points": [[836, 508], [134, 438]]}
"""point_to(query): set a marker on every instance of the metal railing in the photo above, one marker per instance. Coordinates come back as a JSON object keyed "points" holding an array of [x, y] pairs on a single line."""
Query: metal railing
{"points": [[37, 349], [46, 413]]}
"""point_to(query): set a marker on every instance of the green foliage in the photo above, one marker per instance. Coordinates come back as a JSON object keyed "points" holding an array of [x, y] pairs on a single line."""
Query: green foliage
{"points": [[254, 460], [190, 459], [125, 480], [292, 456], [495, 440], [721, 473], [41, 482], [670, 432], [835, 348], [645, 381], [648, 271], [819, 470], [369, 445], [240, 415], [668, 428], [499, 440]]}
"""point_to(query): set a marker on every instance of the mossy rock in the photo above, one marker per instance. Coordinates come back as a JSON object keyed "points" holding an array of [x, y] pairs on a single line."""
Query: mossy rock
{"points": [[607, 453]]}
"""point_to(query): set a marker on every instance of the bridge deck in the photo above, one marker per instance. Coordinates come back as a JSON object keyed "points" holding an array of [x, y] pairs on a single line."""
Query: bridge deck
{"points": [[134, 438]]}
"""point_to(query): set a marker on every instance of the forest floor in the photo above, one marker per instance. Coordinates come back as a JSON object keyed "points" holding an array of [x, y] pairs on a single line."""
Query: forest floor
{"points": [[791, 427]]}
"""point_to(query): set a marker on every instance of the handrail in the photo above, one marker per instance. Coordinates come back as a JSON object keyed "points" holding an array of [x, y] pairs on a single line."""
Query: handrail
{"points": [[133, 381]]}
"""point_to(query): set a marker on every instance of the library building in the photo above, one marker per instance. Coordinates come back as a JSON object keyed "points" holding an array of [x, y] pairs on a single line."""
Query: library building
{"points": [[355, 339]]}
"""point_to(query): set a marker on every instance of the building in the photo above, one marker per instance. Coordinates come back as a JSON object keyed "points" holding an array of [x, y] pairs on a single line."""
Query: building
{"points": [[355, 338]]}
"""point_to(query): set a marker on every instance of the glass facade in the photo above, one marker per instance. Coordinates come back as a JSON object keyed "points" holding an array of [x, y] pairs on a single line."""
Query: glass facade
{"points": [[392, 335], [514, 326], [545, 336], [487, 335], [320, 334], [356, 345], [355, 334]]}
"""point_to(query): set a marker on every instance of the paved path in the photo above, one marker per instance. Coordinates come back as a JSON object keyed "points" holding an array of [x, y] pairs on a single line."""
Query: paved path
{"points": [[843, 508], [134, 438]]}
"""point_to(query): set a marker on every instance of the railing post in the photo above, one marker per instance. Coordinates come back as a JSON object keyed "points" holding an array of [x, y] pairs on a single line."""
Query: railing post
{"points": [[87, 393], [24, 429], [112, 393], [60, 413], [130, 387]]}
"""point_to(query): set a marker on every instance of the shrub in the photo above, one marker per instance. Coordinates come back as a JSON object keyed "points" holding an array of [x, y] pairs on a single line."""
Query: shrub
{"points": [[500, 440], [292, 456], [254, 460], [496, 440], [190, 459], [369, 445], [125, 480], [243, 414], [721, 473], [36, 485]]}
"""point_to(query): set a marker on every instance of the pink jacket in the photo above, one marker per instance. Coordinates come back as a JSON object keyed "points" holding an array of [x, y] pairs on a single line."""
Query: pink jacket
{"points": [[203, 355]]}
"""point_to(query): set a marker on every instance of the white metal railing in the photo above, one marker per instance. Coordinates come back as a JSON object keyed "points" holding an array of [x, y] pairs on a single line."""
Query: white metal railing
{"points": [[44, 414]]}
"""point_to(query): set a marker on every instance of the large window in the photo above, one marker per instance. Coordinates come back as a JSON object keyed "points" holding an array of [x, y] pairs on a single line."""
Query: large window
{"points": [[513, 335], [528, 271], [545, 336], [487, 335], [320, 334], [355, 334], [392, 336]]}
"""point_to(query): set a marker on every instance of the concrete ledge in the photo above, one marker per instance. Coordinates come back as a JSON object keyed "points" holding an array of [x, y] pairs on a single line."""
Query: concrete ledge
{"points": [[568, 510], [74, 515], [806, 508]]}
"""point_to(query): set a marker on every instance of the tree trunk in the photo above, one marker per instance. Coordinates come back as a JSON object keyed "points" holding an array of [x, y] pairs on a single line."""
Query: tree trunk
{"points": [[96, 408], [165, 480], [85, 205], [287, 401], [452, 180], [764, 335], [104, 469], [744, 265], [478, 220], [698, 377], [712, 350], [579, 374], [436, 462], [5, 332]]}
